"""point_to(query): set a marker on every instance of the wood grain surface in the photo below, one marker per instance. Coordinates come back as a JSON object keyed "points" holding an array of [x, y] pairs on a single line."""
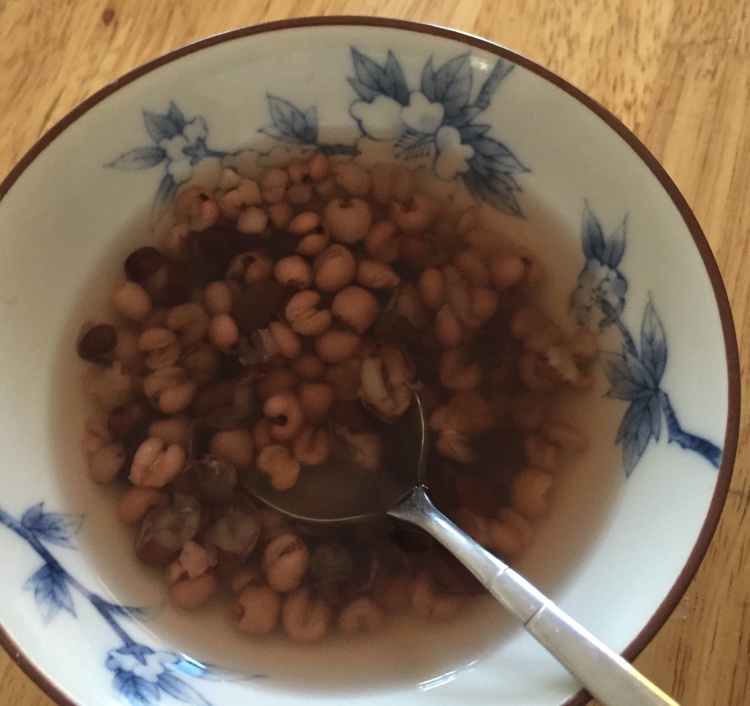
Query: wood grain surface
{"points": [[676, 72]]}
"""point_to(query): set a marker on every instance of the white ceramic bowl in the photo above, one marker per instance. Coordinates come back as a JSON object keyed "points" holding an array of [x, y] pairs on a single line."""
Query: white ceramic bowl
{"points": [[632, 518]]}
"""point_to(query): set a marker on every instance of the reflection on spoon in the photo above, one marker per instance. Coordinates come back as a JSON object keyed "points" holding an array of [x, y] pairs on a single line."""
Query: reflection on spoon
{"points": [[339, 492]]}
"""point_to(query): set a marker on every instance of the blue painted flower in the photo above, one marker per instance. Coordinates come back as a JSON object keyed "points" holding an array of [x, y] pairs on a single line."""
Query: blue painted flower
{"points": [[140, 661], [142, 675], [414, 132], [453, 156], [599, 297], [434, 127], [184, 149], [178, 144]]}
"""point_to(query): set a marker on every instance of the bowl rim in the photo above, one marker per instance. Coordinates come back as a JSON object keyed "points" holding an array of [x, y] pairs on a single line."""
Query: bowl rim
{"points": [[731, 435]]}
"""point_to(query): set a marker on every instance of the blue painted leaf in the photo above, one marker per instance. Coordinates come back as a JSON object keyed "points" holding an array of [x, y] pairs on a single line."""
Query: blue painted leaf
{"points": [[485, 169], [451, 85], [364, 92], [614, 247], [592, 236], [427, 82], [495, 192], [292, 124], [635, 431], [166, 191], [495, 155], [311, 120], [387, 80], [396, 80], [500, 197], [176, 117], [508, 182], [310, 133], [53, 527], [653, 343], [634, 411], [140, 158], [655, 412], [274, 132], [136, 690], [462, 117], [180, 690], [51, 593], [499, 71], [412, 145], [164, 127], [472, 131], [629, 378]]}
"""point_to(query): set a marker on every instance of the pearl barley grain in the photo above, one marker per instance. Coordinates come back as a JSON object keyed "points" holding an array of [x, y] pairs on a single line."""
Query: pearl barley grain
{"points": [[235, 445], [285, 562], [305, 617], [348, 219], [223, 331], [356, 307], [258, 609], [131, 301]]}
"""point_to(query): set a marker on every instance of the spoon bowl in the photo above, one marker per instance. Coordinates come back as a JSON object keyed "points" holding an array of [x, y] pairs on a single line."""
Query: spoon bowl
{"points": [[341, 492]]}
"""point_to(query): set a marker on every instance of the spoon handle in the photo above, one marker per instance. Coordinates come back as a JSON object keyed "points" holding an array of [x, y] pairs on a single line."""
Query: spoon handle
{"points": [[604, 673]]}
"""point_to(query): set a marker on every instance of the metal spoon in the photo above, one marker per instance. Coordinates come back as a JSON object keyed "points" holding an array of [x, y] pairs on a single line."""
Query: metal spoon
{"points": [[352, 495]]}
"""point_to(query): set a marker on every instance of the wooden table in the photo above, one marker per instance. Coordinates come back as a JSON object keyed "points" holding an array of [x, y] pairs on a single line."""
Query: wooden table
{"points": [[675, 71]]}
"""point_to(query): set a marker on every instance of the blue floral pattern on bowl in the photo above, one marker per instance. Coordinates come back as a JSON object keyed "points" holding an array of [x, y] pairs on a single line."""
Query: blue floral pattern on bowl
{"points": [[141, 674], [634, 373], [434, 127]]}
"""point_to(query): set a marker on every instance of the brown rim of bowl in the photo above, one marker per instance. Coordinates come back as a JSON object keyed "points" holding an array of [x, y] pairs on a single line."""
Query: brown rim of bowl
{"points": [[722, 300]]}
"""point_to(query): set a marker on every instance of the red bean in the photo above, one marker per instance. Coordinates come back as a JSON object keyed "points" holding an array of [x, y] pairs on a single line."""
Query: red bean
{"points": [[257, 305], [164, 279], [163, 532], [127, 422], [98, 344], [476, 493], [212, 250], [143, 263]]}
